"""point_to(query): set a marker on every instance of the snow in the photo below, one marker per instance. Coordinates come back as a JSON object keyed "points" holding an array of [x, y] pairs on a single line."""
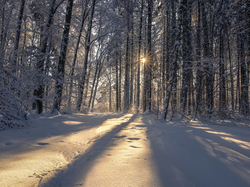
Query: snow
{"points": [[201, 154], [31, 154], [117, 149]]}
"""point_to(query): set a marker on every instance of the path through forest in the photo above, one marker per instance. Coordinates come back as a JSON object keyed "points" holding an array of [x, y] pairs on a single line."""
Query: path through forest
{"points": [[122, 157], [110, 150]]}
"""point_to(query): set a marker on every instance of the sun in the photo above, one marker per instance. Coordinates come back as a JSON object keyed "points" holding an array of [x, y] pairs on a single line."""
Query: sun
{"points": [[143, 60]]}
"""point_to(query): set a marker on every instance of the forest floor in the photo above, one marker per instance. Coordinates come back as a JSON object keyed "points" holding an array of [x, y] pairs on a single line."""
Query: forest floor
{"points": [[117, 149]]}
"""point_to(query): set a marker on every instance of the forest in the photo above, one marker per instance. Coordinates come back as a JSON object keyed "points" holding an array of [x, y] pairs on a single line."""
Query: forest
{"points": [[166, 57]]}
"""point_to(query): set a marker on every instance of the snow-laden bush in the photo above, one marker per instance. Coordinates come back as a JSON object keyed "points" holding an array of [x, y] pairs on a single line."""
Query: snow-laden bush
{"points": [[14, 97]]}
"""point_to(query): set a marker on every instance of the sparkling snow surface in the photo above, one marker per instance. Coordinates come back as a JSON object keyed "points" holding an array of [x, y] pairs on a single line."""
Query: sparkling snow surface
{"points": [[116, 149]]}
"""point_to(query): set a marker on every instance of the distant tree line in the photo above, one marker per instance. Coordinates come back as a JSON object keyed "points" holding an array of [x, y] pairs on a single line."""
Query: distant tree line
{"points": [[172, 57]]}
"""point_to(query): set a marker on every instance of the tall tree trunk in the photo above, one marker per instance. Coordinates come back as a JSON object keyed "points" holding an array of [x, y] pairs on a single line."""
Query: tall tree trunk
{"points": [[116, 81], [166, 56], [120, 80], [231, 72], [238, 90], [131, 92], [3, 21], [98, 77], [17, 36], [222, 97], [4, 31], [93, 84], [62, 58], [126, 85], [248, 23], [145, 69], [139, 60], [2, 42], [173, 36], [42, 54], [87, 47], [244, 104], [150, 56], [110, 89], [198, 57], [87, 85], [175, 58], [248, 36], [95, 78], [186, 55], [75, 55], [164, 51], [207, 55]]}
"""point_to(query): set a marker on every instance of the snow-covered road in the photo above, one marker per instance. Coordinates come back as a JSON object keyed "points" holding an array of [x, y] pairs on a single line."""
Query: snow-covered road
{"points": [[122, 157], [197, 154], [125, 150]]}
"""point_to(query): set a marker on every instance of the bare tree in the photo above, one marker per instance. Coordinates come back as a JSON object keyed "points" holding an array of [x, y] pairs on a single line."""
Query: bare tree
{"points": [[62, 58], [87, 47]]}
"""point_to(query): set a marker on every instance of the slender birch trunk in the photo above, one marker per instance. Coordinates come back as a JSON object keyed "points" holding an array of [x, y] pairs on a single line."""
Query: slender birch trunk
{"points": [[75, 56], [87, 47], [93, 84], [97, 82]]}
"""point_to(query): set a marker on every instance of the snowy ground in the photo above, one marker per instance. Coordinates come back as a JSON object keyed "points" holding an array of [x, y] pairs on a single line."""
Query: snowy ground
{"points": [[118, 149]]}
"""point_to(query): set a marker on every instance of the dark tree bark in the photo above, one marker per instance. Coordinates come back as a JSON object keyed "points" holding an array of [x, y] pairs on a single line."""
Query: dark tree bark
{"points": [[17, 36], [145, 71], [62, 58], [222, 96], [139, 60], [87, 84], [207, 55], [126, 85], [84, 15], [3, 23], [93, 84], [231, 72], [173, 36], [98, 77], [131, 92], [40, 63], [150, 57], [198, 57], [175, 58], [248, 23], [4, 31], [87, 47], [120, 80], [164, 51], [244, 99], [110, 86], [186, 45], [116, 80]]}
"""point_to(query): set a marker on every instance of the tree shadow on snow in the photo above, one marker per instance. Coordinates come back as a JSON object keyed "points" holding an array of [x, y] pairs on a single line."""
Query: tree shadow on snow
{"points": [[78, 169], [185, 157]]}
